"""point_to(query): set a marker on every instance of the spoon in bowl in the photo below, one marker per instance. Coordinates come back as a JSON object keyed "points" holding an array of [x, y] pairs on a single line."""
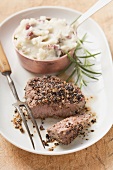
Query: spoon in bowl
{"points": [[97, 6]]}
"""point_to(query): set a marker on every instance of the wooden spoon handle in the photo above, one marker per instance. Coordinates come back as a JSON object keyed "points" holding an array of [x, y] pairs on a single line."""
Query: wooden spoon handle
{"points": [[4, 64]]}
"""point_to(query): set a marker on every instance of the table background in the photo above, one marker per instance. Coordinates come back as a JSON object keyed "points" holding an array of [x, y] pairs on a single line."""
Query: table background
{"points": [[100, 155]]}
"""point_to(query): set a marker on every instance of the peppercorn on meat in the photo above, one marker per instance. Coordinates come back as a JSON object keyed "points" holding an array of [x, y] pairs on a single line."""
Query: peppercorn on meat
{"points": [[49, 96]]}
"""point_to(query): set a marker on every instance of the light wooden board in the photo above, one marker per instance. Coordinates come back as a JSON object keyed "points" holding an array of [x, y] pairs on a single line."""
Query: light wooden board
{"points": [[100, 155]]}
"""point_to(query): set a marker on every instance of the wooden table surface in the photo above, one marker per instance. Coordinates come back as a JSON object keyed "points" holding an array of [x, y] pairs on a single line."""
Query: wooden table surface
{"points": [[100, 155]]}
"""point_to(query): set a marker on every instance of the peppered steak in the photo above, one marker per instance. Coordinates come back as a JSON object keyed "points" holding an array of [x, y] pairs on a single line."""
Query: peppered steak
{"points": [[49, 96], [67, 129]]}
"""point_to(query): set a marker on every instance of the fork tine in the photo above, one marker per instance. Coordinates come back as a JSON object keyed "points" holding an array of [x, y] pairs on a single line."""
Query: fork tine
{"points": [[34, 121], [25, 123]]}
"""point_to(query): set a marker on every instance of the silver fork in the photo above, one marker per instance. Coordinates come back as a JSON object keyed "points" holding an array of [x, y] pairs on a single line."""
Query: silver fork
{"points": [[5, 69]]}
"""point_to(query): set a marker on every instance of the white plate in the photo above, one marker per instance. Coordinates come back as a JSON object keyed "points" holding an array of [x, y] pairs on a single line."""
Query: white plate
{"points": [[102, 90]]}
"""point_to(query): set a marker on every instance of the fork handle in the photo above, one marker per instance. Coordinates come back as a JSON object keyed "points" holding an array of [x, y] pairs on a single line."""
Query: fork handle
{"points": [[4, 64], [97, 6]]}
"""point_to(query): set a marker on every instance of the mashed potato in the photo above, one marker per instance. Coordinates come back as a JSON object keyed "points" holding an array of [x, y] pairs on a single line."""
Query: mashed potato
{"points": [[44, 38]]}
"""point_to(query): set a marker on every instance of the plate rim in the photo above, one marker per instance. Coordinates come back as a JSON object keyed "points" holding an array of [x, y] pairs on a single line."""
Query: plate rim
{"points": [[110, 58]]}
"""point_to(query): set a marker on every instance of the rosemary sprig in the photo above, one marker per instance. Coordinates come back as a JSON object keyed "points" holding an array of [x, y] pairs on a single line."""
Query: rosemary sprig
{"points": [[73, 72], [61, 72], [82, 67], [89, 56], [75, 20]]}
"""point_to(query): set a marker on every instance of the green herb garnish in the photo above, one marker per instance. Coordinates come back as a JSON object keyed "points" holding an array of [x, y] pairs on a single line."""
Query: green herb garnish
{"points": [[81, 64], [15, 38]]}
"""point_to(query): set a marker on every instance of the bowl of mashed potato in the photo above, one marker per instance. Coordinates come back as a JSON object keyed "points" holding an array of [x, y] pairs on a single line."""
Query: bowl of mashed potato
{"points": [[42, 44]]}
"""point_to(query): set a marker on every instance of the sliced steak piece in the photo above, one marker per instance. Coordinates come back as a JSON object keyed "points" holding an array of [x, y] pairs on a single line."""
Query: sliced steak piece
{"points": [[49, 96], [67, 130]]}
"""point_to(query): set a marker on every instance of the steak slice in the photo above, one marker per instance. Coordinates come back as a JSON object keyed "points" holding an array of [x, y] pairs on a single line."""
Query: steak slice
{"points": [[67, 129], [49, 96]]}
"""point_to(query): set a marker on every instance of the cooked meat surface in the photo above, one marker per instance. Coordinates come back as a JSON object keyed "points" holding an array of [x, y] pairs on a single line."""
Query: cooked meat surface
{"points": [[49, 96], [67, 130]]}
